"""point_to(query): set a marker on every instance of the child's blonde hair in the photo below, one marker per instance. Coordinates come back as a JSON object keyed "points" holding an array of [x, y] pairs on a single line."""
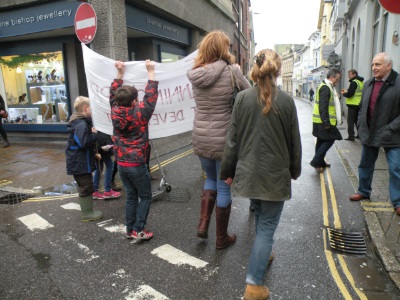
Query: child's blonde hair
{"points": [[81, 102]]}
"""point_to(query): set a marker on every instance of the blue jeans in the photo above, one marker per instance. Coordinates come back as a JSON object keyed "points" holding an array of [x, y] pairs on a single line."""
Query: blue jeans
{"points": [[212, 168], [136, 181], [321, 148], [107, 176], [267, 215], [366, 168]]}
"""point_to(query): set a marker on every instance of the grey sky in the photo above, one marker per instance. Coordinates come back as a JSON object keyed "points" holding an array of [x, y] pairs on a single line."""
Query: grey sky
{"points": [[284, 21]]}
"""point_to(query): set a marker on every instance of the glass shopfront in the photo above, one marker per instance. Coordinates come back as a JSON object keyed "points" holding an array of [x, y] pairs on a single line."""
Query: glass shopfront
{"points": [[35, 88], [38, 51]]}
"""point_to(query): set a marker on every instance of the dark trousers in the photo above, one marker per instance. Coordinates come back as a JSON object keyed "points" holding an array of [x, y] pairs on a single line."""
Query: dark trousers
{"points": [[321, 148], [352, 118], [2, 131], [85, 184], [115, 170]]}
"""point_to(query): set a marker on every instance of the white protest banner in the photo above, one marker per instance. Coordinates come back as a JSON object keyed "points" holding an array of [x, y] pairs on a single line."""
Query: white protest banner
{"points": [[174, 112]]}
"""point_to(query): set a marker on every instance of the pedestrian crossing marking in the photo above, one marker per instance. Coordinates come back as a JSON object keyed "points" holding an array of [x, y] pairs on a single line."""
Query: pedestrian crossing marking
{"points": [[102, 223], [146, 292], [85, 249], [72, 205], [178, 257], [117, 228], [34, 221]]}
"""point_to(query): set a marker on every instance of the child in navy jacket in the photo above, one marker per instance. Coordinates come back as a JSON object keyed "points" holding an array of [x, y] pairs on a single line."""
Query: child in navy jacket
{"points": [[80, 155]]}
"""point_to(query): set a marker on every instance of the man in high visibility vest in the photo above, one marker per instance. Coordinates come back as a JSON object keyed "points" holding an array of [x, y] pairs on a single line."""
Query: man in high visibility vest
{"points": [[326, 116], [353, 95]]}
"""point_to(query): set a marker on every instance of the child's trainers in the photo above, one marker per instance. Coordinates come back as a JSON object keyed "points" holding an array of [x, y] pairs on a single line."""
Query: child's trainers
{"points": [[142, 235], [97, 195], [111, 195], [129, 235]]}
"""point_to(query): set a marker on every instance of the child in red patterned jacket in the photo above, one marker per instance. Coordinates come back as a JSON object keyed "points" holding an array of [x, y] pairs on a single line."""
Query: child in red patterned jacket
{"points": [[130, 120]]}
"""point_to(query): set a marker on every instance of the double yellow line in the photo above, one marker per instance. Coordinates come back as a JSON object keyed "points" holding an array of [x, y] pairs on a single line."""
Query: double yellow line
{"points": [[51, 198], [337, 225], [170, 160]]}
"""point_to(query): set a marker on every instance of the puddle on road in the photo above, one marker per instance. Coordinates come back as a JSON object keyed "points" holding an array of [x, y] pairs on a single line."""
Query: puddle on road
{"points": [[43, 261]]}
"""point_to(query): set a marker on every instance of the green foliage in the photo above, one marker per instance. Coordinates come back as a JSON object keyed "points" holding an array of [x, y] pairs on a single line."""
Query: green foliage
{"points": [[17, 61]]}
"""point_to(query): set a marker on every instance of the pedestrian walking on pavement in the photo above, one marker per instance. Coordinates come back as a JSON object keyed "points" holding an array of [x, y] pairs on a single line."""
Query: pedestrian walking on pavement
{"points": [[80, 155], [212, 90], [105, 149], [262, 154], [326, 116], [130, 120], [379, 126], [311, 93], [353, 99], [2, 131]]}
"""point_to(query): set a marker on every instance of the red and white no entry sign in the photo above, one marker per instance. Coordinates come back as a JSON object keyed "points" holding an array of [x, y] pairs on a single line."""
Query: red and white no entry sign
{"points": [[392, 6], [85, 23]]}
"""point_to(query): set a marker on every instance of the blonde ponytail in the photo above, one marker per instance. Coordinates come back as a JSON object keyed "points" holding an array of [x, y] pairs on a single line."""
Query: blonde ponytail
{"points": [[266, 69]]}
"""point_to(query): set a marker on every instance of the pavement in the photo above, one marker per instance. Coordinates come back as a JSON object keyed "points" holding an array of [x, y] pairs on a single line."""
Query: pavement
{"points": [[382, 223]]}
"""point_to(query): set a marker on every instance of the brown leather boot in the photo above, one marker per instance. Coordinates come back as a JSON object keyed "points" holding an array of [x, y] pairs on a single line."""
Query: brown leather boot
{"points": [[207, 207], [223, 238], [256, 292]]}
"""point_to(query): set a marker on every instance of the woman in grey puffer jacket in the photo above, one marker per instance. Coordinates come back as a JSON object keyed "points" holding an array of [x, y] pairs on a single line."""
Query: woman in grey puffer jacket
{"points": [[212, 88]]}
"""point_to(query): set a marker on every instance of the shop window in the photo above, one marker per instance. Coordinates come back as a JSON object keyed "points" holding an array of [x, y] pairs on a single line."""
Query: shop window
{"points": [[170, 57], [35, 87]]}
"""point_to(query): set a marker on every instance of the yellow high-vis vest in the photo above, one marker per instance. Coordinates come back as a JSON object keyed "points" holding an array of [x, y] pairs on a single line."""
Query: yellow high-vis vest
{"points": [[331, 109], [356, 99]]}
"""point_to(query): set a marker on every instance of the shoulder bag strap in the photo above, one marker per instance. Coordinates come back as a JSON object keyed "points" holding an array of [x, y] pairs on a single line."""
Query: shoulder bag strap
{"points": [[233, 78]]}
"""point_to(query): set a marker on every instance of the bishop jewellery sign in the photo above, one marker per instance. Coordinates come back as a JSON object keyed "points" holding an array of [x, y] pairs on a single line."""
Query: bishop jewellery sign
{"points": [[38, 18]]}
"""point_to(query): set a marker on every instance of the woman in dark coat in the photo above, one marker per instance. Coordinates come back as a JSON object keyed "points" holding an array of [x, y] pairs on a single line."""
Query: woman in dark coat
{"points": [[262, 155], [2, 131]]}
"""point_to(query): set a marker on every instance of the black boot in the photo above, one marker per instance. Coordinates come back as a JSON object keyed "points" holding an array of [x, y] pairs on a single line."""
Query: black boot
{"points": [[207, 207], [223, 238]]}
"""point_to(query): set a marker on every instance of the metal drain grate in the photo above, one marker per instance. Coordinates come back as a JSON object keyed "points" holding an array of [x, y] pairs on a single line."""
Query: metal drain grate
{"points": [[14, 198], [347, 242]]}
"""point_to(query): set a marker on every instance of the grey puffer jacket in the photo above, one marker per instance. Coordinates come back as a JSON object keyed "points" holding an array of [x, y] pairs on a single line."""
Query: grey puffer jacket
{"points": [[212, 91], [262, 152], [384, 128]]}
